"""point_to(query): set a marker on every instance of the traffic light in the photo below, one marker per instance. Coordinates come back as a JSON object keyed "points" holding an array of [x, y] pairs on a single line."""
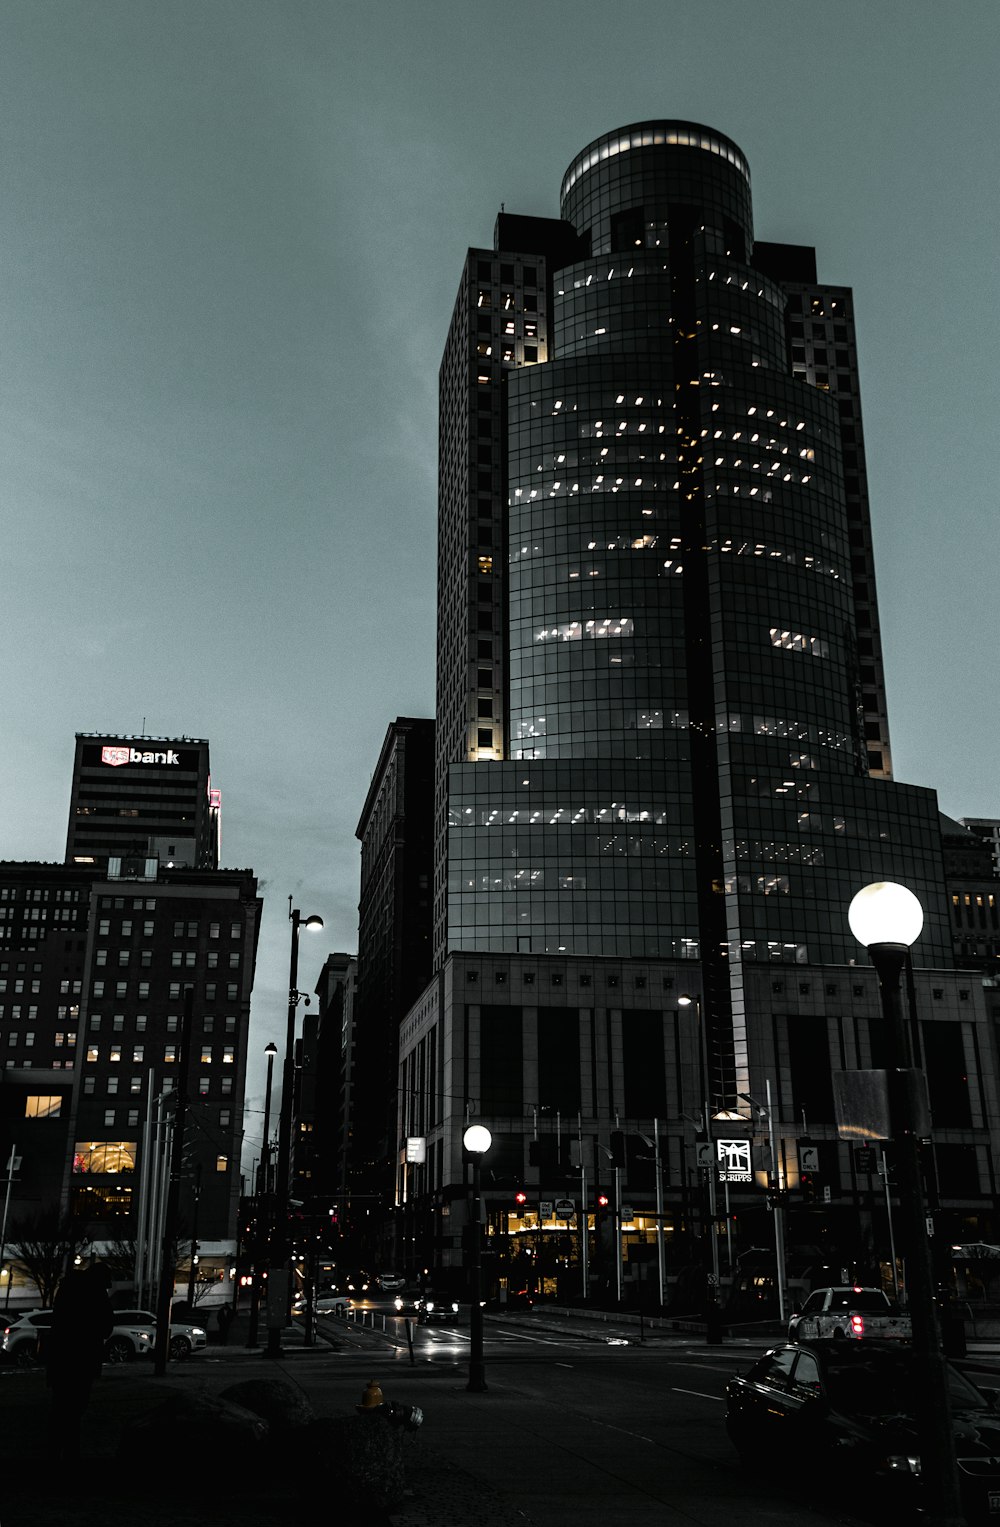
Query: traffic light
{"points": [[807, 1182], [520, 1199], [601, 1202]]}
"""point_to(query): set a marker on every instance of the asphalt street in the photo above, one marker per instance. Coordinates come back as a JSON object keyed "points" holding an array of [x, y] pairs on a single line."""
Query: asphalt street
{"points": [[582, 1422]]}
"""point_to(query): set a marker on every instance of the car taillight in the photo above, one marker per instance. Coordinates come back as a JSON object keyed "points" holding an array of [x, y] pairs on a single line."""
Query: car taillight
{"points": [[857, 1325]]}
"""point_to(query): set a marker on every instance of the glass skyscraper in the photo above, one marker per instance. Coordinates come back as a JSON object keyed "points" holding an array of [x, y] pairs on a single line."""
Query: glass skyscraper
{"points": [[662, 725], [662, 755]]}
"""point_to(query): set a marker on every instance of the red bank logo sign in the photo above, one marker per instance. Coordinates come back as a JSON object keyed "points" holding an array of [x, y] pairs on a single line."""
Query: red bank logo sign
{"points": [[117, 756]]}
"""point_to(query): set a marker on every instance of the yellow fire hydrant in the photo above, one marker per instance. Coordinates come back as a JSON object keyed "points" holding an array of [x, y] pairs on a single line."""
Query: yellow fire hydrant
{"points": [[371, 1398]]}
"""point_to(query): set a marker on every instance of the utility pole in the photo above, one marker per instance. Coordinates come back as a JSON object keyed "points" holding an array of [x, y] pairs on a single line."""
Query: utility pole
{"points": [[195, 1205], [13, 1162], [161, 1350]]}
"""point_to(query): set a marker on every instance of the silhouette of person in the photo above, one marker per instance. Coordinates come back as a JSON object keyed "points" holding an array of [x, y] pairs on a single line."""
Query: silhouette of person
{"points": [[82, 1321], [225, 1320]]}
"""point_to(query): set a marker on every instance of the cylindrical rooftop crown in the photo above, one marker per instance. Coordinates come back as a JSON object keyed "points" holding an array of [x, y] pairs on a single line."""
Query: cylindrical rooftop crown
{"points": [[650, 168]]}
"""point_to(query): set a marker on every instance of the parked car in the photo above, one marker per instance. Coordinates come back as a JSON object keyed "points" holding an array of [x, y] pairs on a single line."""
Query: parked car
{"points": [[185, 1338], [842, 1412], [849, 1312], [21, 1339]]}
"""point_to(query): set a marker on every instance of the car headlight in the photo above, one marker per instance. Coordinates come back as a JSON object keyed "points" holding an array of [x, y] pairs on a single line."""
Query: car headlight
{"points": [[429, 1306], [197, 1331], [454, 1308], [903, 1463]]}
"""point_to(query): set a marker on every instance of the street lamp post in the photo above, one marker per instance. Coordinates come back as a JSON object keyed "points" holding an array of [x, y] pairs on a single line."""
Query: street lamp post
{"points": [[887, 919], [477, 1141], [279, 1287], [13, 1162], [776, 1177], [713, 1204], [661, 1274], [264, 1170], [262, 1219]]}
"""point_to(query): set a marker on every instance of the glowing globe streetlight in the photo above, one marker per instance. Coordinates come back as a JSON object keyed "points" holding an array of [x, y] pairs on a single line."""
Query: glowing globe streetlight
{"points": [[885, 913], [477, 1139]]}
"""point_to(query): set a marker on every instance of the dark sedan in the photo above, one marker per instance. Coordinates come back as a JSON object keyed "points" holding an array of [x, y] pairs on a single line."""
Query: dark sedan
{"points": [[438, 1310], [844, 1413]]}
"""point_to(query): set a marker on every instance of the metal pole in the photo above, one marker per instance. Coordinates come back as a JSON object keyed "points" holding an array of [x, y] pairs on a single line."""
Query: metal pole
{"points": [[713, 1199], [892, 1238], [153, 1210], [279, 1284], [142, 1213], [262, 1217], [584, 1216], [193, 1259], [937, 1442], [713, 1202], [477, 1370], [729, 1240], [264, 1170], [779, 1226], [166, 1291], [660, 1265], [13, 1162], [618, 1231]]}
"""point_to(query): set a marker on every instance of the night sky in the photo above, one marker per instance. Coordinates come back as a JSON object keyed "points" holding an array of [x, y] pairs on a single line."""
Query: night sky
{"points": [[232, 233]]}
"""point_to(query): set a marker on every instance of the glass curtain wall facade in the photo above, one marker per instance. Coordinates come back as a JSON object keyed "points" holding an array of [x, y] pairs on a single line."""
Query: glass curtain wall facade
{"points": [[665, 727]]}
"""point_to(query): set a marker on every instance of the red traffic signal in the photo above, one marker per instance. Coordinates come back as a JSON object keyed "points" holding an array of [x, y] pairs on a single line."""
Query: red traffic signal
{"points": [[520, 1198], [602, 1200]]}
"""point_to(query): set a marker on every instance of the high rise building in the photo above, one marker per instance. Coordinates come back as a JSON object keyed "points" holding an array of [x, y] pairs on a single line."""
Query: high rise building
{"points": [[93, 974], [988, 829], [970, 864], [143, 797], [394, 943], [662, 748], [684, 707], [334, 1049], [97, 959]]}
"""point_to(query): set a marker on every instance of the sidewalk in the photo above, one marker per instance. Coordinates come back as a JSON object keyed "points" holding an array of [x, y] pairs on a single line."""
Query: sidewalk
{"points": [[96, 1494]]}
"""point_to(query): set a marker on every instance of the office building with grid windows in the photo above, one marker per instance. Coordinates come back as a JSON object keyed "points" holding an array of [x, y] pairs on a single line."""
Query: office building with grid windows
{"points": [[97, 958], [93, 976], [133, 797], [663, 760]]}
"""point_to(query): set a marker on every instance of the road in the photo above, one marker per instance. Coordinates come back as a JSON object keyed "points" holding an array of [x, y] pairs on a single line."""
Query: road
{"points": [[575, 1428]]}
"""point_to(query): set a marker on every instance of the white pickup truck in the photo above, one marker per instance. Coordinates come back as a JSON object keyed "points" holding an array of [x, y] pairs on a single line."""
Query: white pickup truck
{"points": [[849, 1313]]}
